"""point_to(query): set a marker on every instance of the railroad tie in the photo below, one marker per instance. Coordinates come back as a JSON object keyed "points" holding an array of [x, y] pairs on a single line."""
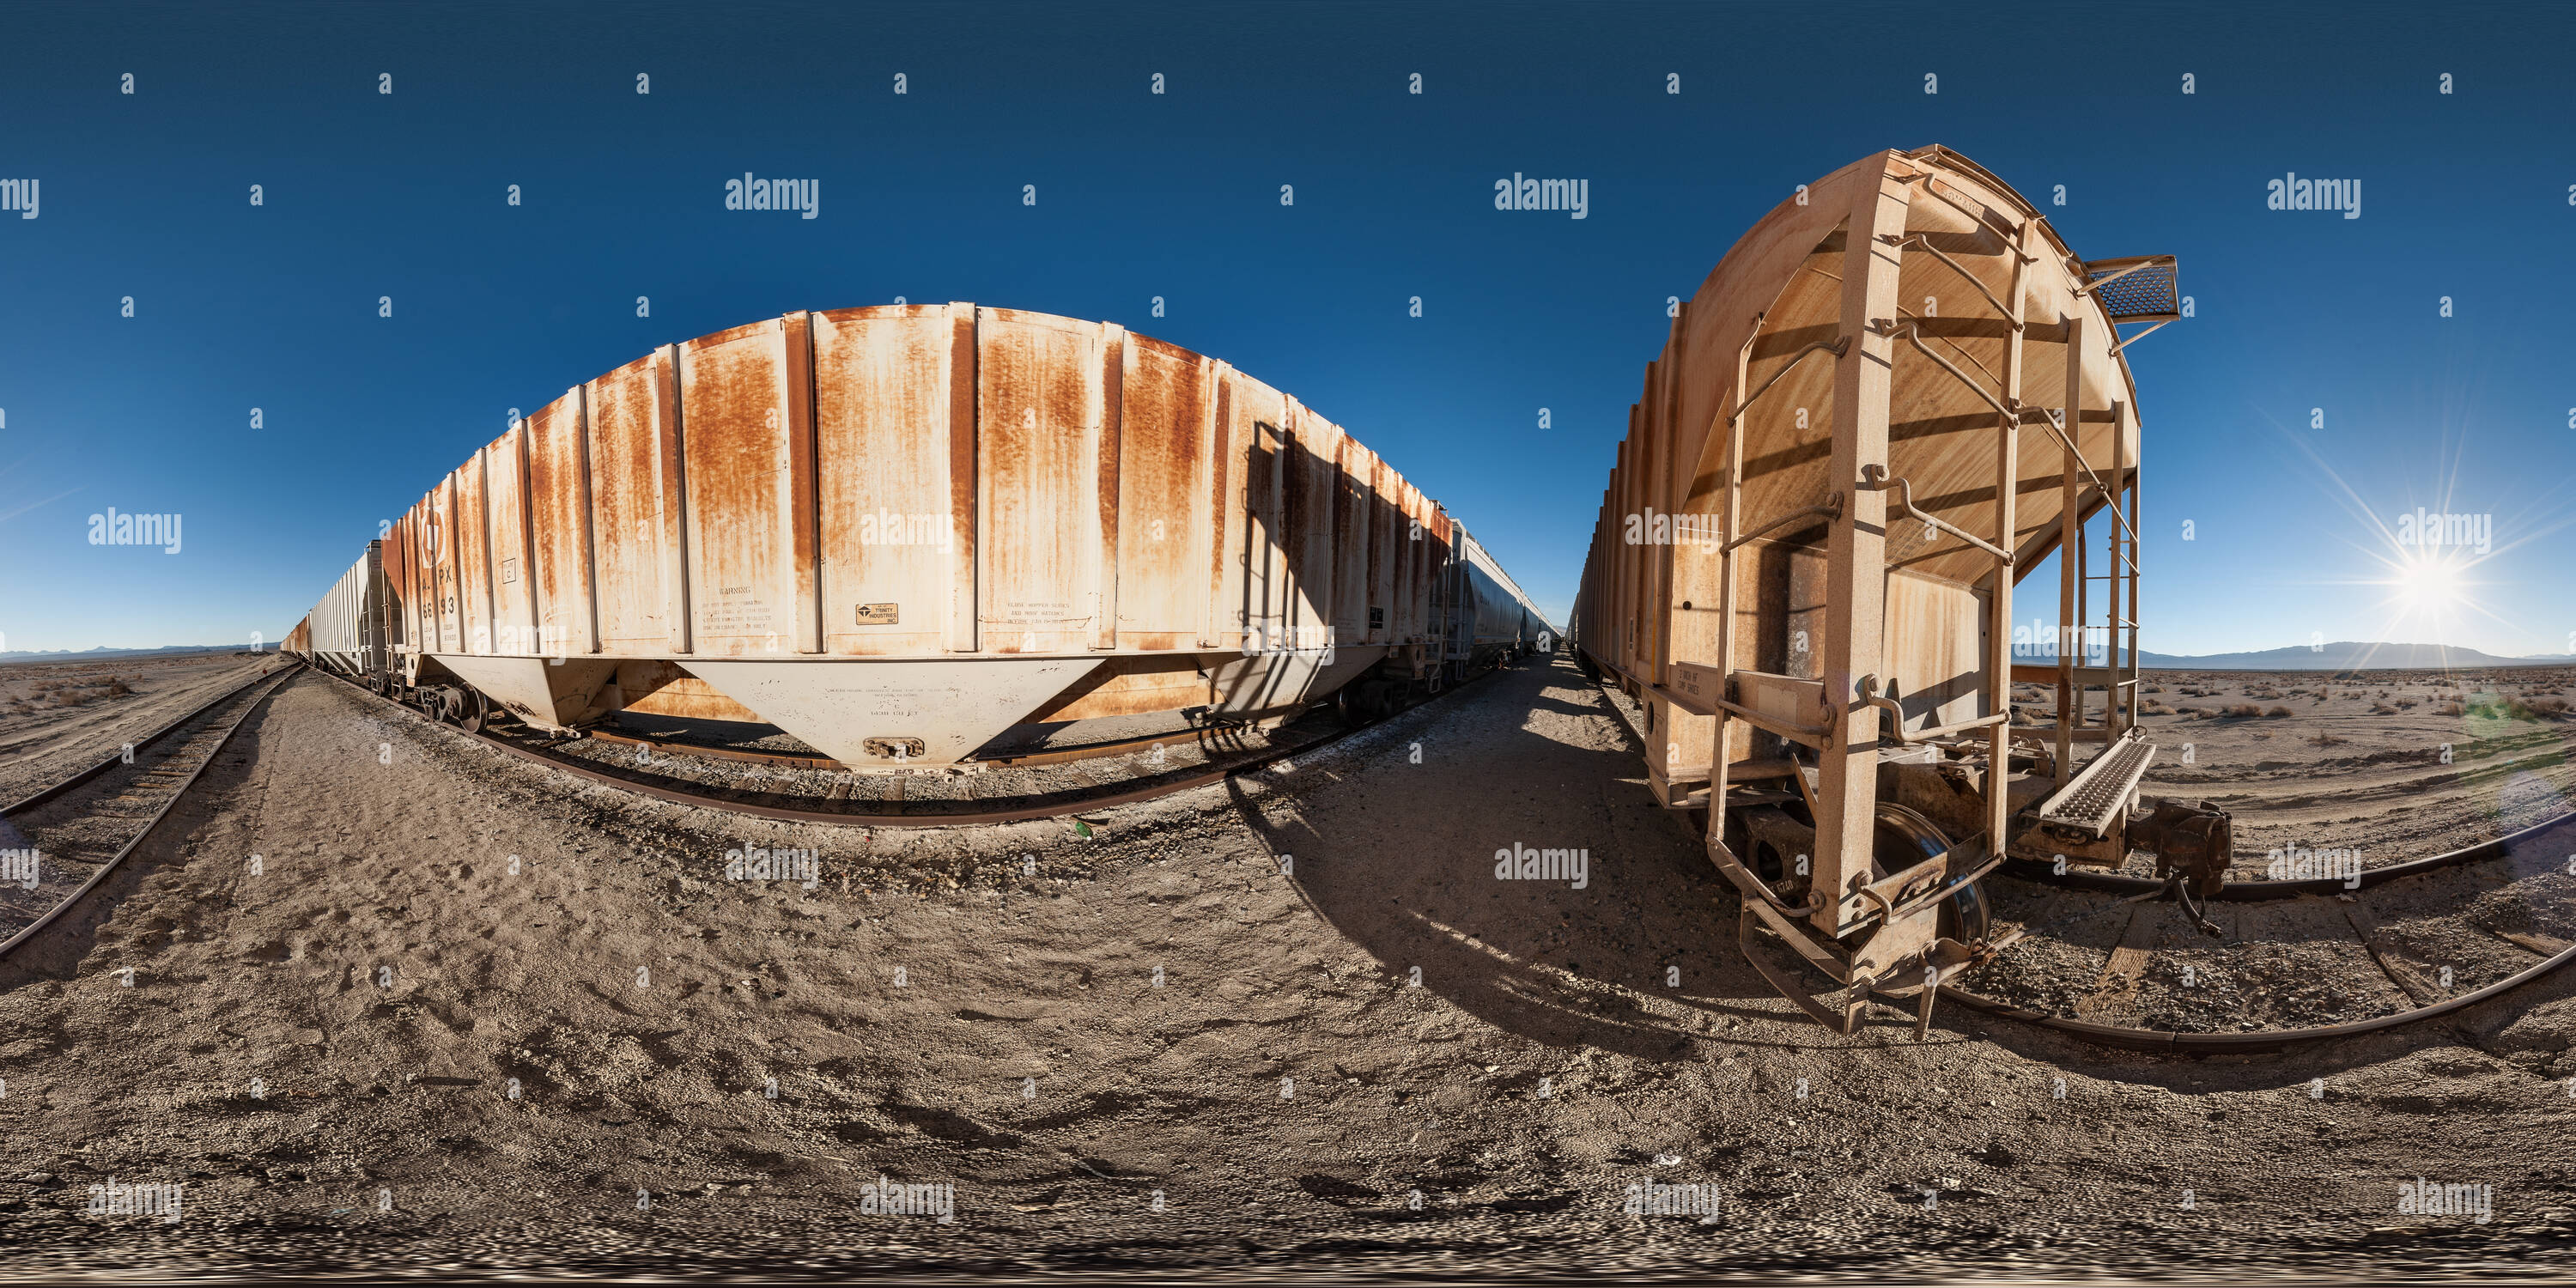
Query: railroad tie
{"points": [[2125, 966], [2399, 971]]}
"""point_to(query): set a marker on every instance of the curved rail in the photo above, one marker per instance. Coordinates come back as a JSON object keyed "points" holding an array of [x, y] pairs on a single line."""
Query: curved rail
{"points": [[2136, 1039], [2258, 891], [113, 761], [907, 818], [152, 824], [2259, 1041]]}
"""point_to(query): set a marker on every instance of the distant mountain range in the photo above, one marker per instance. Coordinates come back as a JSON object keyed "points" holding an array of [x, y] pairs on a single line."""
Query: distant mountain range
{"points": [[103, 652], [2349, 655]]}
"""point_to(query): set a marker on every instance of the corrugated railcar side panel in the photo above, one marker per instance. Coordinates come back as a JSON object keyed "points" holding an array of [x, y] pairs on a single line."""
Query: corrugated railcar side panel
{"points": [[559, 526], [1167, 423], [1039, 547], [505, 513], [882, 440], [636, 504], [748, 452]]}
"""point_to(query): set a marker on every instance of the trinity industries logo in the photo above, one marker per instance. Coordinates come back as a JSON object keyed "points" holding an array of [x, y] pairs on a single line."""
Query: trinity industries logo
{"points": [[1655, 529], [1571, 195], [2432, 1198], [19, 866], [884, 1197], [2431, 529], [18, 195], [118, 1199], [2296, 864], [1521, 863], [2291, 192], [802, 866], [115, 529], [748, 193]]}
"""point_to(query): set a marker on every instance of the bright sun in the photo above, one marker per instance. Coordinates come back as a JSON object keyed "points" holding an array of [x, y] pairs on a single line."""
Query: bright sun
{"points": [[2428, 583]]}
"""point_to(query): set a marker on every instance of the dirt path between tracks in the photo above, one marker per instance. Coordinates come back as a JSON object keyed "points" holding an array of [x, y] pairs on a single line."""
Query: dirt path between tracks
{"points": [[1193, 1034]]}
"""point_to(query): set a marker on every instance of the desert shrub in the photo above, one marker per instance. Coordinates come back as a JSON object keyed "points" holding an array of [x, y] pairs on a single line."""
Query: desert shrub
{"points": [[117, 688], [2242, 710], [2276, 713], [2454, 707]]}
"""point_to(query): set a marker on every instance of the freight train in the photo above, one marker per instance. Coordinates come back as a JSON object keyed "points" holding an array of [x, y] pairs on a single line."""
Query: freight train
{"points": [[906, 534], [1894, 399]]}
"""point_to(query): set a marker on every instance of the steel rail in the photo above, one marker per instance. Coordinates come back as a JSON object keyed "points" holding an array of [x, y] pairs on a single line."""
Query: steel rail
{"points": [[2259, 1040], [2260, 891], [907, 818], [275, 680], [113, 761], [2136, 1039]]}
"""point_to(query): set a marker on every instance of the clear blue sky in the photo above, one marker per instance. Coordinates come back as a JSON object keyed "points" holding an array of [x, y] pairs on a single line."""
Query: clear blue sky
{"points": [[367, 195]]}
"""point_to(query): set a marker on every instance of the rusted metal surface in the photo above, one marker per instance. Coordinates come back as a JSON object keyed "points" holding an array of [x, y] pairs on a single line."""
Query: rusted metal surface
{"points": [[926, 814], [930, 482], [659, 688], [1832, 478], [558, 537], [1039, 422], [890, 549], [791, 759], [747, 457]]}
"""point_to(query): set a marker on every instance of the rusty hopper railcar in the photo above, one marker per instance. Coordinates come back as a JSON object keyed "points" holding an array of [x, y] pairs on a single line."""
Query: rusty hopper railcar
{"points": [[348, 631], [1893, 398], [899, 532]]}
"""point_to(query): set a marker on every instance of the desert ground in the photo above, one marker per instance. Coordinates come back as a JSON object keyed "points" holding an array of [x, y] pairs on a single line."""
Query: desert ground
{"points": [[2394, 764], [56, 716], [461, 1015]]}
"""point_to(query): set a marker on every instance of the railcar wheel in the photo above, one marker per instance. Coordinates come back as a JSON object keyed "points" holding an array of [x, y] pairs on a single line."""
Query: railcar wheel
{"points": [[1352, 706], [473, 711]]}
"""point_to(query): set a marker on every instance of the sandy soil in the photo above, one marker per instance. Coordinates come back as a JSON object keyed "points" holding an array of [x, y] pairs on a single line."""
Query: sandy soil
{"points": [[56, 717], [429, 920], [2396, 765]]}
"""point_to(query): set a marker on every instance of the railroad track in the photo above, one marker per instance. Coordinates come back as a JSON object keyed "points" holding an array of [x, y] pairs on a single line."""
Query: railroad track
{"points": [[2355, 938], [928, 813], [2344, 924], [83, 827]]}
